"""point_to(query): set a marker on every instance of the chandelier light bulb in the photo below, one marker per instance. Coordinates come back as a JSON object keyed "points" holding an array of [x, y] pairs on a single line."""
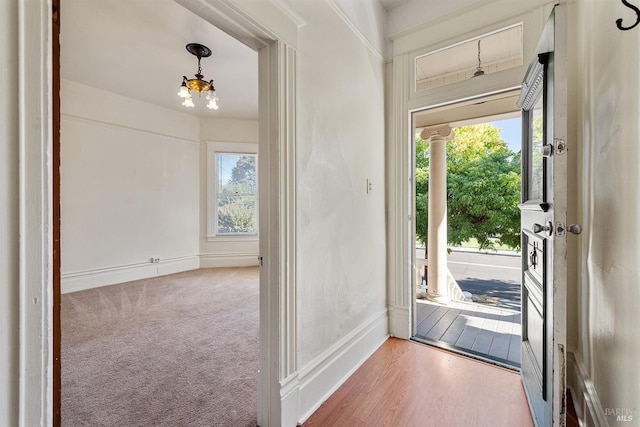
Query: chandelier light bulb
{"points": [[213, 100], [213, 103], [188, 102], [184, 90]]}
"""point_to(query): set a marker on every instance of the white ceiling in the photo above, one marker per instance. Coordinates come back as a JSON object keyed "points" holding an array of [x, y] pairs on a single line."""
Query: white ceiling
{"points": [[137, 48], [392, 4]]}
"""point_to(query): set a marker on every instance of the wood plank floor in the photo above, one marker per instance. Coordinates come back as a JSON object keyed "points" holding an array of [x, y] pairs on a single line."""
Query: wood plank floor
{"points": [[405, 383], [480, 330]]}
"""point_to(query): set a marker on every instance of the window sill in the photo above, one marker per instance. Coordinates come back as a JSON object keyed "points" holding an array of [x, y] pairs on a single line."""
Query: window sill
{"points": [[234, 238]]}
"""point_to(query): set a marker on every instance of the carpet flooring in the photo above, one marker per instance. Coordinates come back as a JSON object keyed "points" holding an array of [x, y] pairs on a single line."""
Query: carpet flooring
{"points": [[176, 350]]}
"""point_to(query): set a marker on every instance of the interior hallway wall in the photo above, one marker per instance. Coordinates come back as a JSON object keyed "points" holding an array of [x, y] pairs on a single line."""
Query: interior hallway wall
{"points": [[341, 230], [607, 108], [130, 188]]}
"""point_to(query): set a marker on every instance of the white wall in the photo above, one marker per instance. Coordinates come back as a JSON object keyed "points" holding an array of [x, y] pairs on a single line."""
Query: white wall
{"points": [[130, 188], [9, 279], [224, 252], [341, 230], [607, 108], [368, 20]]}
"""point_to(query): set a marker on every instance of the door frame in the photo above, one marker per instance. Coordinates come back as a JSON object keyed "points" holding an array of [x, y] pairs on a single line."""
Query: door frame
{"points": [[404, 99], [39, 293], [451, 107]]}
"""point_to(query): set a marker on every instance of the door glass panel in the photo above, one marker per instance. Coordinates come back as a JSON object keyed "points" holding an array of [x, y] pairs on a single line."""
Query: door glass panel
{"points": [[536, 130]]}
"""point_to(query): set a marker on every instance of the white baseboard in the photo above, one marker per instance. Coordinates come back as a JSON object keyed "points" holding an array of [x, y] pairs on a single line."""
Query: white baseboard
{"points": [[79, 281], [326, 373], [400, 322], [239, 259], [585, 399]]}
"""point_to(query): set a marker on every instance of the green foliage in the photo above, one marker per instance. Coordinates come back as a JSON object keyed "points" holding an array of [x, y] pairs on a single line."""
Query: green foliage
{"points": [[243, 174], [237, 198], [237, 215], [483, 188], [422, 189]]}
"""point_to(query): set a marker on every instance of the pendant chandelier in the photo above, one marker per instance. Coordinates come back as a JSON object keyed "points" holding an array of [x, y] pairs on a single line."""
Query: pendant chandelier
{"points": [[197, 83], [479, 70]]}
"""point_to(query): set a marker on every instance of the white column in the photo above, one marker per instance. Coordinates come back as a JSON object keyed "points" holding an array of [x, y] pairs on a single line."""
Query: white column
{"points": [[437, 227]]}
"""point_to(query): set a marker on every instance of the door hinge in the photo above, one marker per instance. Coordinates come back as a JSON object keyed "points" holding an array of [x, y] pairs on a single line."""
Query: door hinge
{"points": [[260, 260], [560, 145]]}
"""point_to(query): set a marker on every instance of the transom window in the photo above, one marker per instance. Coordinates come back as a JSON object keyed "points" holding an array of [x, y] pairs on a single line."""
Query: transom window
{"points": [[486, 54]]}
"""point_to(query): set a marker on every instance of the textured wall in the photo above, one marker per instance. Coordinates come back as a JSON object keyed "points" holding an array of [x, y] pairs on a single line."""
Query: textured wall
{"points": [[608, 85], [341, 229]]}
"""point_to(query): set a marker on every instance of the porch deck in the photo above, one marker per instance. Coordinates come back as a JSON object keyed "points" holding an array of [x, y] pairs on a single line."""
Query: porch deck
{"points": [[479, 330]]}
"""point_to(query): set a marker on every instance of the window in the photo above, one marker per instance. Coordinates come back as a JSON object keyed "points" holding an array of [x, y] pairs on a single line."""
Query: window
{"points": [[489, 53], [232, 190]]}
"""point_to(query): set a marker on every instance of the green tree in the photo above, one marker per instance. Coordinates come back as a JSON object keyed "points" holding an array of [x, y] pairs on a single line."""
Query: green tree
{"points": [[483, 188], [422, 189], [243, 174], [236, 217], [237, 198]]}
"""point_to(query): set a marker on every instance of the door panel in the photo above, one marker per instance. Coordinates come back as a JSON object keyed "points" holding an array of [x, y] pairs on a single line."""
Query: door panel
{"points": [[543, 213]]}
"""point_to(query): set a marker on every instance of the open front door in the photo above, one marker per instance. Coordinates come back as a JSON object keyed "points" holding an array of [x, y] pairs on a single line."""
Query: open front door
{"points": [[544, 203]]}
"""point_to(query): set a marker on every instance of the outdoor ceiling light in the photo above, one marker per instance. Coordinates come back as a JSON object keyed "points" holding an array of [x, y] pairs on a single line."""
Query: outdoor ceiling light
{"points": [[479, 70], [197, 84]]}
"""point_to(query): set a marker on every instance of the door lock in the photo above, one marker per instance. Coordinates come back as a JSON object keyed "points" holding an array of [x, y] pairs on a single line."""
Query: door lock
{"points": [[573, 228], [537, 228]]}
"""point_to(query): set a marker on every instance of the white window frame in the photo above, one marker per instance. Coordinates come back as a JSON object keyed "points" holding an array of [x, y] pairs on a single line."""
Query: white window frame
{"points": [[213, 149]]}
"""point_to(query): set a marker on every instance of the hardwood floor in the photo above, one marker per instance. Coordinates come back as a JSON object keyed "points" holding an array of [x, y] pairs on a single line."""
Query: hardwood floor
{"points": [[480, 330], [405, 383]]}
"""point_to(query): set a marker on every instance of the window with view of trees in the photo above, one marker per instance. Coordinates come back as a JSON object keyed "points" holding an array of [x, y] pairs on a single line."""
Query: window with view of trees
{"points": [[236, 195], [233, 190]]}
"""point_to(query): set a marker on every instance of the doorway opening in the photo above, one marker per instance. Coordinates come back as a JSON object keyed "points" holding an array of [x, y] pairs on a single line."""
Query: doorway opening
{"points": [[164, 171], [471, 302]]}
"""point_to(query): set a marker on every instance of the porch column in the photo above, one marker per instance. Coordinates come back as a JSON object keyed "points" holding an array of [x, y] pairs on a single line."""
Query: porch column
{"points": [[437, 136]]}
